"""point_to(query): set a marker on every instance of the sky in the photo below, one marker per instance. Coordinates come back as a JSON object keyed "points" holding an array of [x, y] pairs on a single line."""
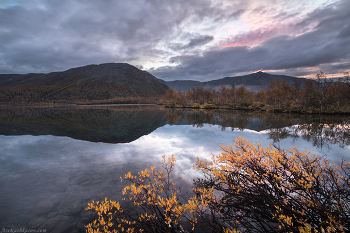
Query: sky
{"points": [[177, 39]]}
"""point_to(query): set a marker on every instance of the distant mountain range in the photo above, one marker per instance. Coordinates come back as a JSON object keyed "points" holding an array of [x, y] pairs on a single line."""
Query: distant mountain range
{"points": [[112, 80], [253, 82], [92, 82]]}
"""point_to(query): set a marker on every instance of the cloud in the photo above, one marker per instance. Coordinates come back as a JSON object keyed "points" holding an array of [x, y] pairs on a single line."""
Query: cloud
{"points": [[55, 35], [326, 45], [194, 42], [183, 39]]}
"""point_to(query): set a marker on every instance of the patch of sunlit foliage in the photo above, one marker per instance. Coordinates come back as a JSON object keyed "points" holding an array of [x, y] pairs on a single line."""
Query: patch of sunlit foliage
{"points": [[247, 188]]}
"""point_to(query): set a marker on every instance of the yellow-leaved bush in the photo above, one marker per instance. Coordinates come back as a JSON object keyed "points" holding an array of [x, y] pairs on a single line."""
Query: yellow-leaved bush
{"points": [[161, 207], [247, 188]]}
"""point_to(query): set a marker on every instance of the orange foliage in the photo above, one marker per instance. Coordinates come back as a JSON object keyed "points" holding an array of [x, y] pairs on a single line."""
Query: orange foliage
{"points": [[159, 203], [247, 187], [269, 188]]}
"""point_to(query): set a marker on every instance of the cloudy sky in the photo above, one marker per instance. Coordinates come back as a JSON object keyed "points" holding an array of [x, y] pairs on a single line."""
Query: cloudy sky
{"points": [[177, 39]]}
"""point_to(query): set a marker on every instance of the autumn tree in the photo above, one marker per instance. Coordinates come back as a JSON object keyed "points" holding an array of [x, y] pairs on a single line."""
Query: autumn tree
{"points": [[159, 206], [243, 96], [298, 91], [280, 92], [261, 96], [190, 96], [260, 189], [321, 84], [181, 98], [233, 94], [171, 96], [224, 94]]}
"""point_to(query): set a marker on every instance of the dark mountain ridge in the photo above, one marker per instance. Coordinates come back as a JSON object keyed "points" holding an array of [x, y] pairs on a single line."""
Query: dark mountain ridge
{"points": [[92, 82], [253, 82]]}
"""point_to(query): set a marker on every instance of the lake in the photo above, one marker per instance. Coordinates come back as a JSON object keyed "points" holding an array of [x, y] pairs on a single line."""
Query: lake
{"points": [[55, 160]]}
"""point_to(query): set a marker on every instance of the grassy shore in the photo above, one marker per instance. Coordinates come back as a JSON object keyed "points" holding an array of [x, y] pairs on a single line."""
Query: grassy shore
{"points": [[263, 108]]}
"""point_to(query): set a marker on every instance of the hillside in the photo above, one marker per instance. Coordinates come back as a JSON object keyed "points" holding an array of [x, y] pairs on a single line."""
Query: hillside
{"points": [[253, 82], [92, 82]]}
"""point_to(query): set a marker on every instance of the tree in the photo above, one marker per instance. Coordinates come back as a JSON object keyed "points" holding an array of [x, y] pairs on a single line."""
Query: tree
{"points": [[244, 97], [262, 189], [280, 91], [171, 96], [181, 98], [261, 96], [321, 84]]}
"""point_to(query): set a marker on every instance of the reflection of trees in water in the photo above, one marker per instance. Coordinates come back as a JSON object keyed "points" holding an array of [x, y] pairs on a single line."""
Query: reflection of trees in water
{"points": [[321, 130], [233, 119], [322, 134], [127, 123]]}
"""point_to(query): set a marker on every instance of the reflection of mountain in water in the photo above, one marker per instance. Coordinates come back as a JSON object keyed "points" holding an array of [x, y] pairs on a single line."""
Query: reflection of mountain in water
{"points": [[121, 124], [96, 124]]}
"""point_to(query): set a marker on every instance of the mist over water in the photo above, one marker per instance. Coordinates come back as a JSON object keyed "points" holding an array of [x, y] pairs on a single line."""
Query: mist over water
{"points": [[53, 161]]}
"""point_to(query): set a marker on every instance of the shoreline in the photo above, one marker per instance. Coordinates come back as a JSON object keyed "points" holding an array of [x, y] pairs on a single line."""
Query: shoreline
{"points": [[254, 109], [270, 109]]}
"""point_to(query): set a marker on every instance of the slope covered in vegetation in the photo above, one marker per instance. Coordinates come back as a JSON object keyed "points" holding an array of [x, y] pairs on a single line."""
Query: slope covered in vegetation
{"points": [[92, 82], [321, 95]]}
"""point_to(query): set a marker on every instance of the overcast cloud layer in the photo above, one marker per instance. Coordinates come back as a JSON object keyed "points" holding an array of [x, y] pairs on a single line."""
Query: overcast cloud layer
{"points": [[180, 39]]}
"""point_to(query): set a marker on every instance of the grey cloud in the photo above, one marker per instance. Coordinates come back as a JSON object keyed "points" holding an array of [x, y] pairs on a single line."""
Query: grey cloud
{"points": [[53, 35], [229, 16], [318, 48], [202, 40], [194, 42], [345, 32], [253, 37]]}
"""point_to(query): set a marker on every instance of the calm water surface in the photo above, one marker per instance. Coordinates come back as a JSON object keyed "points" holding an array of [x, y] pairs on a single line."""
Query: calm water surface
{"points": [[53, 161]]}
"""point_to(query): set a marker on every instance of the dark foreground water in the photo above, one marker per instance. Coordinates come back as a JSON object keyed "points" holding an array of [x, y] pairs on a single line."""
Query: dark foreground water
{"points": [[53, 161]]}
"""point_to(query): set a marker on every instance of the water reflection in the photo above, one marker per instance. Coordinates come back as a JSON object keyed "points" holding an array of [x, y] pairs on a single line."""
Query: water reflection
{"points": [[47, 180], [321, 130], [111, 124], [121, 124]]}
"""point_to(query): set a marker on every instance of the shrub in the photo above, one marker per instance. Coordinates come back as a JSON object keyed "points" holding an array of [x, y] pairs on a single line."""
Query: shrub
{"points": [[262, 189], [247, 187], [158, 205], [207, 106]]}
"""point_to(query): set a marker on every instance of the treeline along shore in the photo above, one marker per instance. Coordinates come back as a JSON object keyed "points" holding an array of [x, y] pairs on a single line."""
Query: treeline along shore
{"points": [[320, 95], [121, 83]]}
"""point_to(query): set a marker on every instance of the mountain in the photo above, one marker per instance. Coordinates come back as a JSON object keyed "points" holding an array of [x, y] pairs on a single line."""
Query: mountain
{"points": [[92, 82], [253, 82]]}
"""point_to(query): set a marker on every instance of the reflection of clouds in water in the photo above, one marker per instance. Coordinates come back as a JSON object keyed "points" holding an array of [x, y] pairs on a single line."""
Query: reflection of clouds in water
{"points": [[33, 168], [184, 141], [50, 151], [187, 142]]}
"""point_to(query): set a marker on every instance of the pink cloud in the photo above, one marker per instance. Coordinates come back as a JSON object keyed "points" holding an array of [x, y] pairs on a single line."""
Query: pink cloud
{"points": [[258, 36], [264, 24], [251, 38]]}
